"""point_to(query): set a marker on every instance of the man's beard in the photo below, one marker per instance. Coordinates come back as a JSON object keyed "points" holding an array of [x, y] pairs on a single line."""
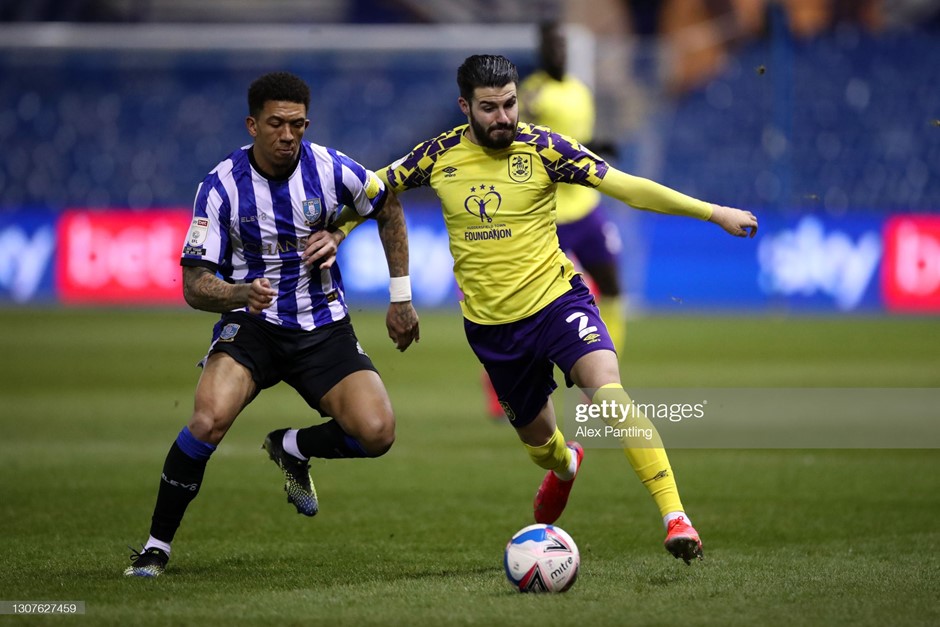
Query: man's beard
{"points": [[488, 141]]}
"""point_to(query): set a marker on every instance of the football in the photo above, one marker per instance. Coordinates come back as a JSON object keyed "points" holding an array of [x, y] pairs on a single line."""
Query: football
{"points": [[541, 558]]}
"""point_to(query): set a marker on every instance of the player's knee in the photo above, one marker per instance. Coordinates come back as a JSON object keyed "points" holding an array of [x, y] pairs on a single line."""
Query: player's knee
{"points": [[377, 436], [205, 427]]}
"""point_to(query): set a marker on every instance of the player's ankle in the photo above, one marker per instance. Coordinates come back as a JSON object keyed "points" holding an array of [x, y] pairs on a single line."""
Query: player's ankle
{"points": [[668, 518]]}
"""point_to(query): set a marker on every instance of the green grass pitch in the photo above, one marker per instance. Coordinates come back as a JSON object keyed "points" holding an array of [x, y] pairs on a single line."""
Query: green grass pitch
{"points": [[90, 401]]}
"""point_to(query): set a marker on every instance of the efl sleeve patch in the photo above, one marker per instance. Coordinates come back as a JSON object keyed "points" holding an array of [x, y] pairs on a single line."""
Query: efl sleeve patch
{"points": [[198, 232]]}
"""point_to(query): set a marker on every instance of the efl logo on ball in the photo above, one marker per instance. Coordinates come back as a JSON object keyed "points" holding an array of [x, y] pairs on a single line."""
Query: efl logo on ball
{"points": [[542, 558]]}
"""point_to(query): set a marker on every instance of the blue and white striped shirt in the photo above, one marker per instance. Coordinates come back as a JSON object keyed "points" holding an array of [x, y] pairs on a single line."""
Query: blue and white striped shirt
{"points": [[246, 226]]}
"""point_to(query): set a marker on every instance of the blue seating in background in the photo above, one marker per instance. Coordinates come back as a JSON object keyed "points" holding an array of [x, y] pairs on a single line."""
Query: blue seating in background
{"points": [[844, 122], [140, 130]]}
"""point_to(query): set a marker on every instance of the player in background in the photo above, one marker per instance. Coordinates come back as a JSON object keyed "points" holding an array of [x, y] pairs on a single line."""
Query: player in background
{"points": [[260, 253], [525, 308], [554, 98]]}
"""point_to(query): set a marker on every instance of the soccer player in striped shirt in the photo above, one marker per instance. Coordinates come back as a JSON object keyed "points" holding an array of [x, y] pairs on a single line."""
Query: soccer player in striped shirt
{"points": [[261, 253], [525, 308]]}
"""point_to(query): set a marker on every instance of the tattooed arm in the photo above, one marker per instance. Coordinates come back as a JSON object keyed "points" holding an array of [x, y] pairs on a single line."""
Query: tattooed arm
{"points": [[203, 290], [401, 320]]}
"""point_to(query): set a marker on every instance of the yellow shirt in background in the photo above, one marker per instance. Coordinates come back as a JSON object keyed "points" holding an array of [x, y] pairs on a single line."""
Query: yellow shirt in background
{"points": [[566, 107]]}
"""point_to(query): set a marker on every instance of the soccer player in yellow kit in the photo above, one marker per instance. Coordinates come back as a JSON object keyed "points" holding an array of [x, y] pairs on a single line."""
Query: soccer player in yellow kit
{"points": [[525, 308]]}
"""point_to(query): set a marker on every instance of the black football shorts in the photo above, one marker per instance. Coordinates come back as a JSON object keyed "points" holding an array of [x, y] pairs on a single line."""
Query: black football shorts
{"points": [[311, 362]]}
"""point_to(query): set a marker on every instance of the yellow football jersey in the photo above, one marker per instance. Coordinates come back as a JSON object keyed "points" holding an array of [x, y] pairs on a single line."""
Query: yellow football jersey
{"points": [[499, 210], [566, 107]]}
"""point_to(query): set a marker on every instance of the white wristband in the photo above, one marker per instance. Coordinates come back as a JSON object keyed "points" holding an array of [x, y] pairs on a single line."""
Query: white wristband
{"points": [[399, 289]]}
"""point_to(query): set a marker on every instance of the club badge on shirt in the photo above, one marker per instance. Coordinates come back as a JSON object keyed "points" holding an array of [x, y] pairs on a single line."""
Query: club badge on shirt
{"points": [[313, 211], [520, 167]]}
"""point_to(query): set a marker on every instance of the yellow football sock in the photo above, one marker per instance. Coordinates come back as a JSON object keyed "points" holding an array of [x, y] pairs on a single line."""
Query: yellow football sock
{"points": [[553, 455], [611, 308], [647, 456]]}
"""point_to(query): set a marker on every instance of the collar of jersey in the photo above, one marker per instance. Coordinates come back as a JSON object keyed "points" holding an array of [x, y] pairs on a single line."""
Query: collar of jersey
{"points": [[257, 168], [465, 141]]}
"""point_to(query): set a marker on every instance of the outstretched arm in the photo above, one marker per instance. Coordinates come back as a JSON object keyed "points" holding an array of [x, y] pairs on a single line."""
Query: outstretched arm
{"points": [[203, 290], [402, 319], [645, 194]]}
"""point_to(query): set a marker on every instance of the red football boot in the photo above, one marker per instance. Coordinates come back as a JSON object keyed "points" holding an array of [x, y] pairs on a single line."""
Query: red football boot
{"points": [[552, 496]]}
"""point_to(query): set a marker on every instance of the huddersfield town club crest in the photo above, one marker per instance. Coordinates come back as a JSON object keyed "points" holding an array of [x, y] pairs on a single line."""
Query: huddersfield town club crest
{"points": [[520, 167], [313, 211]]}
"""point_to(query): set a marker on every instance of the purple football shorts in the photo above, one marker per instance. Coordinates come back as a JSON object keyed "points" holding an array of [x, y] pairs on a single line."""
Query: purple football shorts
{"points": [[519, 357], [593, 239]]}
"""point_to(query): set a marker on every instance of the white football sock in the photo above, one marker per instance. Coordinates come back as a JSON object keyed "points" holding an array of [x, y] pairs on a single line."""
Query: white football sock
{"points": [[290, 444], [153, 543], [668, 518], [569, 474]]}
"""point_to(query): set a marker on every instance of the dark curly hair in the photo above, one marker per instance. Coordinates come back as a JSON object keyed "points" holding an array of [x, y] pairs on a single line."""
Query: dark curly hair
{"points": [[277, 86], [485, 70]]}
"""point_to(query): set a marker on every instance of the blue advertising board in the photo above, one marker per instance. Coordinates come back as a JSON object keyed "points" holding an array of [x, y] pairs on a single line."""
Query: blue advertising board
{"points": [[810, 262], [27, 249], [807, 262]]}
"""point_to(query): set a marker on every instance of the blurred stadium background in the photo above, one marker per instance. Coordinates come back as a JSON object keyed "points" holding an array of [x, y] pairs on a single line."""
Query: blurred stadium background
{"points": [[822, 116]]}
